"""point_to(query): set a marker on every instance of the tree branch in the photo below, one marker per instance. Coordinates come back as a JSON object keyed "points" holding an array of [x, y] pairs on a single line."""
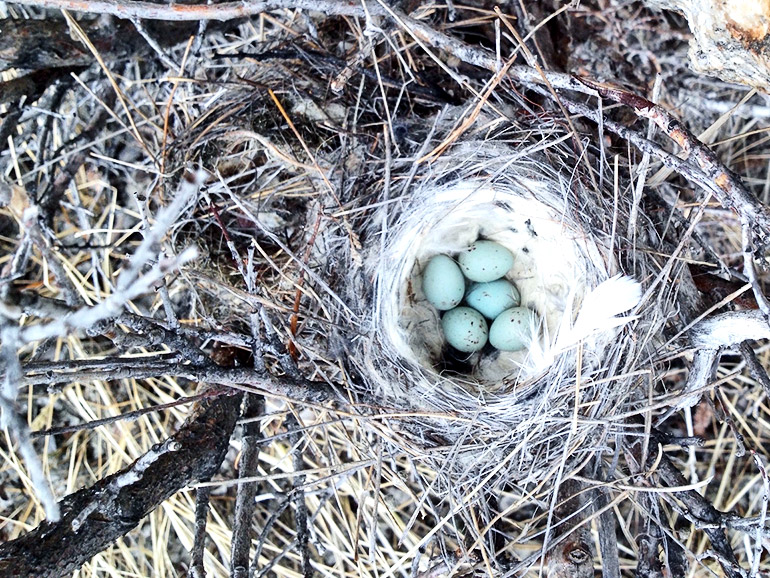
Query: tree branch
{"points": [[95, 517]]}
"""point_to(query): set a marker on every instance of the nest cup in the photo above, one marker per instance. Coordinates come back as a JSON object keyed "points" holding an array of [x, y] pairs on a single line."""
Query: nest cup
{"points": [[515, 197], [554, 262]]}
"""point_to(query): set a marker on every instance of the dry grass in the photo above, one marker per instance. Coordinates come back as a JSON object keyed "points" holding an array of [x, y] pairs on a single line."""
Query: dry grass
{"points": [[285, 232]]}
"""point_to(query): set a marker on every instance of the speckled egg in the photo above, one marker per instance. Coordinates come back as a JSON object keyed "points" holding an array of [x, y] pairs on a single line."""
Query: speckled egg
{"points": [[512, 329], [443, 283], [465, 329], [491, 299], [485, 261]]}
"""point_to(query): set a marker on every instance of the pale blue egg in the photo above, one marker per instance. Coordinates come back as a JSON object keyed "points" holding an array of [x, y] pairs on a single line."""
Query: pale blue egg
{"points": [[443, 283], [512, 329], [491, 299], [465, 329], [485, 261]]}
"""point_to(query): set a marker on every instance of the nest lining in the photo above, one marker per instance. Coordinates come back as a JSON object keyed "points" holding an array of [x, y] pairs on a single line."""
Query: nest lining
{"points": [[556, 261], [553, 263]]}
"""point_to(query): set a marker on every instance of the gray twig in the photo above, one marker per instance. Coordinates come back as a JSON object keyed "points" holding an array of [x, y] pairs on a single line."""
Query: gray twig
{"points": [[164, 58], [197, 568], [298, 497], [253, 407], [123, 499], [759, 539], [16, 424], [701, 511]]}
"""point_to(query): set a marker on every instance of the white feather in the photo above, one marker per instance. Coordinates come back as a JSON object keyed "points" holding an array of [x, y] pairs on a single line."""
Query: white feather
{"points": [[600, 309], [599, 312]]}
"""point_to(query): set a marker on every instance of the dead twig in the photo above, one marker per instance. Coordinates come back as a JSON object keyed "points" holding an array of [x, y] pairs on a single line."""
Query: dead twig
{"points": [[245, 505], [756, 369], [702, 513], [197, 12], [130, 415], [298, 497], [608, 540], [197, 568], [758, 534], [95, 517]]}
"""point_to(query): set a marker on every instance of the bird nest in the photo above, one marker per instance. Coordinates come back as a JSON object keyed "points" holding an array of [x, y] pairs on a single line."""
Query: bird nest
{"points": [[511, 416]]}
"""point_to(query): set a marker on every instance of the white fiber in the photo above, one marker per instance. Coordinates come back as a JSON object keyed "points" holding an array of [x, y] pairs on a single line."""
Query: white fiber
{"points": [[554, 263]]}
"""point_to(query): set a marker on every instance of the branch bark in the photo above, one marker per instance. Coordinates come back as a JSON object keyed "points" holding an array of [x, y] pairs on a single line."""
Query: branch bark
{"points": [[703, 514], [572, 556], [95, 517], [245, 505]]}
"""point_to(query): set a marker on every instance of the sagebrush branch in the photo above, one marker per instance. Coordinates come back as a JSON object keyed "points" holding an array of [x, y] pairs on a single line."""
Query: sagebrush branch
{"points": [[726, 185], [131, 283], [701, 512], [116, 504], [196, 12]]}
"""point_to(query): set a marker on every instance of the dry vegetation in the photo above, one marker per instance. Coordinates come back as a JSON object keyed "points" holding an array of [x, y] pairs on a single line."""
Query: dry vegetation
{"points": [[191, 222]]}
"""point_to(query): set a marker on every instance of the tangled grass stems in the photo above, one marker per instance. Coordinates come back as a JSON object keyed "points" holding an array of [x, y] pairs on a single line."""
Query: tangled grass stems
{"points": [[444, 483]]}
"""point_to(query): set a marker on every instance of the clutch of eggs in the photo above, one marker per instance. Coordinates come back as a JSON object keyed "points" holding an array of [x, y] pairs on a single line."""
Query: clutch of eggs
{"points": [[489, 298]]}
